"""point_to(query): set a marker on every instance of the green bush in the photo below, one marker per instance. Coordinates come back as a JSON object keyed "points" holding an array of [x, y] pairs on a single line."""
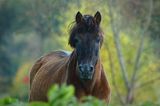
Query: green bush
{"points": [[57, 96], [63, 96]]}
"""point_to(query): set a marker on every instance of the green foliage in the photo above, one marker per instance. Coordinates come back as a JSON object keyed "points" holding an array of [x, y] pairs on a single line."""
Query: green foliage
{"points": [[7, 100], [21, 82], [92, 101], [61, 96], [58, 96], [38, 104], [149, 103]]}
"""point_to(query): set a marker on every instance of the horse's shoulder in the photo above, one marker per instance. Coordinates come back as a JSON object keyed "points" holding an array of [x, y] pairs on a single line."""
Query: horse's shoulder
{"points": [[52, 57]]}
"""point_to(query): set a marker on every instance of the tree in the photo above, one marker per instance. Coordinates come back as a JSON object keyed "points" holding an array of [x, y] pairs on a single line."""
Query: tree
{"points": [[130, 84]]}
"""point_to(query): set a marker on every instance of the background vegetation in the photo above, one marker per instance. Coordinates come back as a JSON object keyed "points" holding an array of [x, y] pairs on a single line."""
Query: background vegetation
{"points": [[131, 51]]}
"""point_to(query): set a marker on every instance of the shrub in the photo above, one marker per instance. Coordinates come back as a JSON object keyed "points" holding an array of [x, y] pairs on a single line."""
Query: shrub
{"points": [[57, 96]]}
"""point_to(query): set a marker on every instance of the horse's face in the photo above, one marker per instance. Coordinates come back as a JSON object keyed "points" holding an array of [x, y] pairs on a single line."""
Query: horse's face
{"points": [[87, 38], [87, 49]]}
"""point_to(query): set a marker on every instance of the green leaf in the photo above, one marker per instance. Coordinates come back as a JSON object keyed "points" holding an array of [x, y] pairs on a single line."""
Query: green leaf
{"points": [[38, 104], [8, 100]]}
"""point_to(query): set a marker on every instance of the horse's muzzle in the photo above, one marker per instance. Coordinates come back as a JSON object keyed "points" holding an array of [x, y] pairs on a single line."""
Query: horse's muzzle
{"points": [[84, 76], [86, 71]]}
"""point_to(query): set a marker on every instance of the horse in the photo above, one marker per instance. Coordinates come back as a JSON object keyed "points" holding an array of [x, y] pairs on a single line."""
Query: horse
{"points": [[82, 68]]}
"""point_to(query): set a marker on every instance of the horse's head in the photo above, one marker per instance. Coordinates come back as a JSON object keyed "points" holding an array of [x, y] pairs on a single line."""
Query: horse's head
{"points": [[86, 38]]}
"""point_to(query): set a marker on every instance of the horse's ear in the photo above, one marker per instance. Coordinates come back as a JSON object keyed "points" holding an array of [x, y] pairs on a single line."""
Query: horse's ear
{"points": [[97, 17], [78, 17]]}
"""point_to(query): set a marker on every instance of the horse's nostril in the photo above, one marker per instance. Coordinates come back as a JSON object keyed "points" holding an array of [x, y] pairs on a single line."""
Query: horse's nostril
{"points": [[81, 68], [90, 68]]}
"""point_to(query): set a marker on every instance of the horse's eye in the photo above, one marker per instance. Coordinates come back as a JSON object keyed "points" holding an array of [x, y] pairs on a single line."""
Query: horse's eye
{"points": [[76, 40]]}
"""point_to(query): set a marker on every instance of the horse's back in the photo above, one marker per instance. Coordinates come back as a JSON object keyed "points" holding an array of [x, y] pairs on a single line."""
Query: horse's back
{"points": [[45, 68]]}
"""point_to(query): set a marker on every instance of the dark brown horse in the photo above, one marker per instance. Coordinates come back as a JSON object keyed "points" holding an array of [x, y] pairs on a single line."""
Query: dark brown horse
{"points": [[82, 68]]}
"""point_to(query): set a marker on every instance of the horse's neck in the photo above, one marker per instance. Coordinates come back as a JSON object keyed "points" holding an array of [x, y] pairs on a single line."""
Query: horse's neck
{"points": [[73, 78]]}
